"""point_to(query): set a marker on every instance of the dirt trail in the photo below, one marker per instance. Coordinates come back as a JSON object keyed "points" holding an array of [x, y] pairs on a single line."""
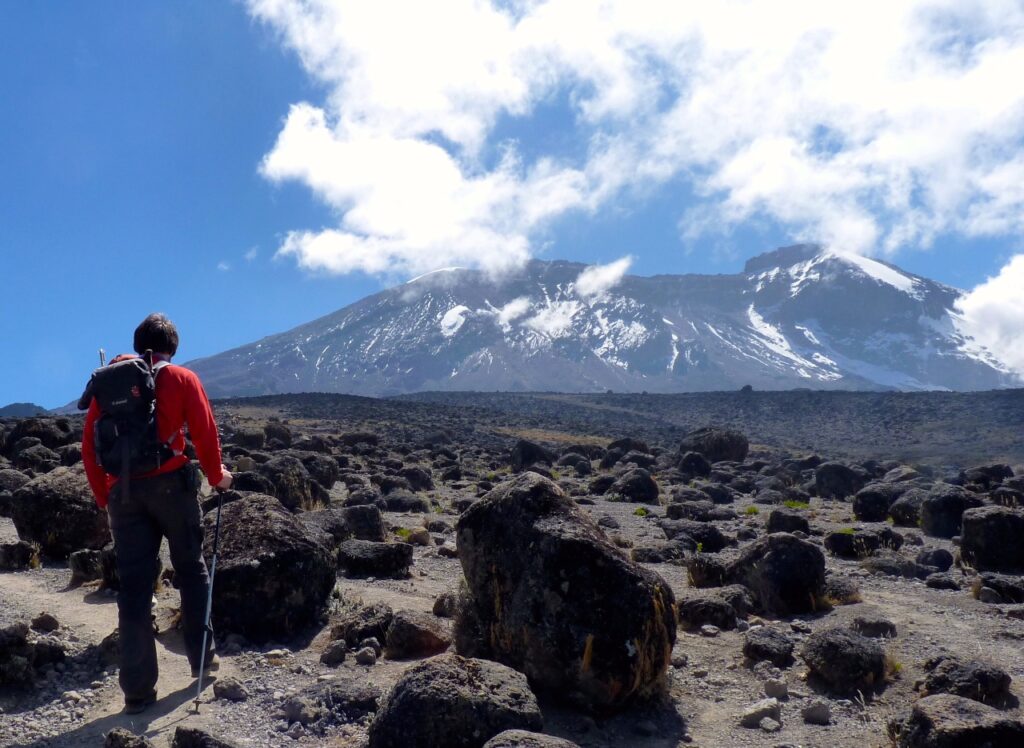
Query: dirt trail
{"points": [[92, 616]]}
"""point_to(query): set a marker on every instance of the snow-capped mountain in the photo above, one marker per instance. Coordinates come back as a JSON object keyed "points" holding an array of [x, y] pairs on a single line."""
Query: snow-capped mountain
{"points": [[799, 316]]}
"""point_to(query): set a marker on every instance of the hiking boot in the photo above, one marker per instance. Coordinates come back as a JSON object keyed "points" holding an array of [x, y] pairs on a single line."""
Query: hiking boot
{"points": [[137, 706], [211, 665]]}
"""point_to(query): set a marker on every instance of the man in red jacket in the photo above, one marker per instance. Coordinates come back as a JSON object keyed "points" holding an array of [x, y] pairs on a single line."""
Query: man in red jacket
{"points": [[162, 503]]}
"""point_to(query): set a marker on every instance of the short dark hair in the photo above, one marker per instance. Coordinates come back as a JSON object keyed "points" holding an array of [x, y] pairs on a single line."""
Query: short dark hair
{"points": [[157, 334]]}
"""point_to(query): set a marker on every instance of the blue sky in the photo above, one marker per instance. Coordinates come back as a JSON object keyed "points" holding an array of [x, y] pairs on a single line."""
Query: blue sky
{"points": [[156, 156]]}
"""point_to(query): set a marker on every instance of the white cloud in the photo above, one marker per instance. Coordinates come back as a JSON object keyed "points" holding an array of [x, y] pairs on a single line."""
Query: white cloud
{"points": [[554, 320], [512, 311], [223, 266], [251, 254], [993, 314], [875, 125], [597, 279]]}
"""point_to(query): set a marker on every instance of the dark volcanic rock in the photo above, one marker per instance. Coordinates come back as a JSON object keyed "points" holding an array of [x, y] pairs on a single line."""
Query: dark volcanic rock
{"points": [[938, 558], [716, 444], [526, 453], [766, 643], [968, 678], [943, 509], [16, 656], [365, 622], [635, 485], [786, 574], [365, 522], [871, 503], [834, 480], [414, 634], [293, 485], [51, 432], [18, 556], [862, 541], [193, 737], [455, 702], [947, 721], [845, 661], [694, 463], [57, 511], [578, 617], [906, 510], [784, 519], [119, 737], [273, 576], [993, 538], [365, 558]]}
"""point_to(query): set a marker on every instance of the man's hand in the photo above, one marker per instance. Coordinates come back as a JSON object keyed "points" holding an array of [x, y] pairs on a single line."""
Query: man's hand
{"points": [[225, 482]]}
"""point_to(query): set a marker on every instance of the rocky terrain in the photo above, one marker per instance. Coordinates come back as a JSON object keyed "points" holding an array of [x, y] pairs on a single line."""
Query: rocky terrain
{"points": [[799, 316], [543, 571]]}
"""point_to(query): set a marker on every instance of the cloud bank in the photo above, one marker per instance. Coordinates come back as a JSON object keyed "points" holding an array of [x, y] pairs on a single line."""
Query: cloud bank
{"points": [[871, 126], [993, 314]]}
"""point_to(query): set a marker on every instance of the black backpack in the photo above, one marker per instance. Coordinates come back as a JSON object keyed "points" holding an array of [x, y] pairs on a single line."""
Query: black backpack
{"points": [[125, 434]]}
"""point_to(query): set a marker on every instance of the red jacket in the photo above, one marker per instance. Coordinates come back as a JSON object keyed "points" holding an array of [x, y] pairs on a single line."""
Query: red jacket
{"points": [[180, 400]]}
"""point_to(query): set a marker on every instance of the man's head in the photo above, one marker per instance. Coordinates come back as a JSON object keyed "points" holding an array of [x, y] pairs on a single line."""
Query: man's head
{"points": [[157, 334]]}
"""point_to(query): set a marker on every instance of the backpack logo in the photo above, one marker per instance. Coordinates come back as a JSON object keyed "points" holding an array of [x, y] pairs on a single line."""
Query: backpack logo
{"points": [[135, 391]]}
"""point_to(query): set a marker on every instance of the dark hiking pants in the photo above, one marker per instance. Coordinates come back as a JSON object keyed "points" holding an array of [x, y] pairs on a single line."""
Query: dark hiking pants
{"points": [[165, 506]]}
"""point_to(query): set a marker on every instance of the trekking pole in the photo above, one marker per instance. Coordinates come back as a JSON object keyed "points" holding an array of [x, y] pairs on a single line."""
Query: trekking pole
{"points": [[207, 629]]}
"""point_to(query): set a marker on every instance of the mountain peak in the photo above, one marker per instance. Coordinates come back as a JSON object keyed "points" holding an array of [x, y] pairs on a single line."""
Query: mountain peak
{"points": [[782, 257]]}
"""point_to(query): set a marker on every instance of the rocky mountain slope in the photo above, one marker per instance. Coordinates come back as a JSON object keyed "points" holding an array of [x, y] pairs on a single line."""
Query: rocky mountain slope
{"points": [[799, 316]]}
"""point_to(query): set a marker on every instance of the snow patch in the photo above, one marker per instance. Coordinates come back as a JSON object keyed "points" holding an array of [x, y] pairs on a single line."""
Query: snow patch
{"points": [[877, 271]]}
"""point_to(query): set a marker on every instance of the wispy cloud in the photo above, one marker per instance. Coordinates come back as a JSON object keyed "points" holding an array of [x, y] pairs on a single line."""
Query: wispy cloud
{"points": [[251, 254], [872, 126], [993, 314], [597, 279], [223, 266]]}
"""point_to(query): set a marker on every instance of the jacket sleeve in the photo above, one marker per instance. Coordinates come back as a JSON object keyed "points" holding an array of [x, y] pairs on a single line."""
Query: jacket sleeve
{"points": [[97, 475], [203, 430]]}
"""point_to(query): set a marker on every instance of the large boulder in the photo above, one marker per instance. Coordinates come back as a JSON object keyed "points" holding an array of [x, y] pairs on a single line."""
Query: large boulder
{"points": [[834, 480], [947, 721], [573, 613], [454, 702], [993, 538], [785, 574], [906, 510], [845, 661], [57, 510], [943, 509], [716, 444], [526, 453], [51, 432], [293, 485], [366, 558], [273, 574], [971, 679], [871, 503], [635, 486], [10, 481]]}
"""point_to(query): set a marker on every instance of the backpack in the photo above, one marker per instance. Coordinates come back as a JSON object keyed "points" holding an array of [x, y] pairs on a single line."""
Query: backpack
{"points": [[125, 434]]}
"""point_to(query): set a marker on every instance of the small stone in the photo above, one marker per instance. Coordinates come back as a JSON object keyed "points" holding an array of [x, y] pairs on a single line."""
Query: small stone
{"points": [[769, 725], [230, 689], [366, 656], [776, 688], [817, 712], [45, 622], [709, 630], [989, 595], [301, 709], [71, 696], [754, 713], [680, 660], [420, 536], [334, 654]]}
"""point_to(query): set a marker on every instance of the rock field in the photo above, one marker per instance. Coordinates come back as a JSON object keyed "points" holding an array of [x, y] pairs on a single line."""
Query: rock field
{"points": [[432, 571]]}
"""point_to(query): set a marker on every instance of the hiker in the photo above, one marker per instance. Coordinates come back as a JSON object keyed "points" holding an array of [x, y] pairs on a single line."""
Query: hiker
{"points": [[150, 490]]}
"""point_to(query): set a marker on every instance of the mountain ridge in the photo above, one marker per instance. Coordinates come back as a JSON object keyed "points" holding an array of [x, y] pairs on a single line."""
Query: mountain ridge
{"points": [[797, 316]]}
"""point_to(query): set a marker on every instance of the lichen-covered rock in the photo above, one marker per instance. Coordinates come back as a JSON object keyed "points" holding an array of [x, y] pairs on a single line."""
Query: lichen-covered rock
{"points": [[871, 503], [293, 485], [18, 556], [767, 643], [785, 574], [574, 613], [57, 511], [993, 538], [947, 721], [456, 702], [273, 575], [363, 622]]}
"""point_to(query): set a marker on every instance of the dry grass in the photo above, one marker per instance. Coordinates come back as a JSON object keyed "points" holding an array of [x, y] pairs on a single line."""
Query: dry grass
{"points": [[545, 435]]}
